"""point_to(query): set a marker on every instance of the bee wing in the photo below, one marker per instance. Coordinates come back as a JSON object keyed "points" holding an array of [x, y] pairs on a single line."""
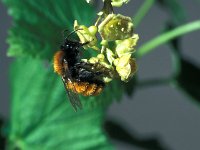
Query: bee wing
{"points": [[73, 97]]}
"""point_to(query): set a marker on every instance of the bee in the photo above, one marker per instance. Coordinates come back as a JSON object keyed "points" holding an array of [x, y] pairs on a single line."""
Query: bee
{"points": [[77, 76]]}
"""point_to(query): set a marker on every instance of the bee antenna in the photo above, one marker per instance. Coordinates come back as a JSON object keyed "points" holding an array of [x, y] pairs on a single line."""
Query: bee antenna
{"points": [[63, 32], [72, 33]]}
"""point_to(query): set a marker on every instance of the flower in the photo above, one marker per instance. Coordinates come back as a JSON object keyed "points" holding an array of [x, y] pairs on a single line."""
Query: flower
{"points": [[118, 43], [116, 27], [100, 65], [125, 67], [110, 56], [119, 3], [87, 35], [115, 3], [126, 45]]}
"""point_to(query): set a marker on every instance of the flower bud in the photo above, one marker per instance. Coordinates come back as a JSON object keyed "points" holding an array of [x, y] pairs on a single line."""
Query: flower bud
{"points": [[104, 43], [93, 60], [101, 57]]}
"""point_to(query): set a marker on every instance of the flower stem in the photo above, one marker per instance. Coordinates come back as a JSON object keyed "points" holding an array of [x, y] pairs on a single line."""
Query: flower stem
{"points": [[165, 37], [107, 8], [143, 11]]}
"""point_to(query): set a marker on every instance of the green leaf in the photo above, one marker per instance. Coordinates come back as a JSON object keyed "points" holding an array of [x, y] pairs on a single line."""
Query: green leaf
{"points": [[189, 79], [41, 116], [32, 36], [143, 10], [175, 10], [37, 25], [119, 133], [174, 43]]}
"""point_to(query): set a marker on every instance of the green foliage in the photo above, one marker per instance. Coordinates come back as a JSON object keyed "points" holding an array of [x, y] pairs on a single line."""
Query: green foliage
{"points": [[38, 24], [167, 37], [186, 72], [42, 118], [41, 115], [143, 10]]}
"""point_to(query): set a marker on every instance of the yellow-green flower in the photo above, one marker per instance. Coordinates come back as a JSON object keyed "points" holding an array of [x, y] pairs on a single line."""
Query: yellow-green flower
{"points": [[119, 3], [125, 67], [126, 45], [118, 42], [115, 3], [101, 65], [116, 27], [87, 35], [110, 56]]}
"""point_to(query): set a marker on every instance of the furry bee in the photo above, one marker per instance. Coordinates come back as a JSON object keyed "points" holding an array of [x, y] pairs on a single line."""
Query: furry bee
{"points": [[78, 77]]}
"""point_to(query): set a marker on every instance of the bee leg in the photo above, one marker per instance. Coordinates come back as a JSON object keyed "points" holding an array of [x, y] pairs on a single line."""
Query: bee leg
{"points": [[82, 44], [83, 73], [98, 73], [84, 65], [89, 76]]}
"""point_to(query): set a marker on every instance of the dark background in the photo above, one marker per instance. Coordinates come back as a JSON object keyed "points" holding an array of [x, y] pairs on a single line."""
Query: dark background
{"points": [[161, 111]]}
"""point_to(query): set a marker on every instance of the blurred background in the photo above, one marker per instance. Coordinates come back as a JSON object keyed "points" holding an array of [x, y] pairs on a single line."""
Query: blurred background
{"points": [[160, 111]]}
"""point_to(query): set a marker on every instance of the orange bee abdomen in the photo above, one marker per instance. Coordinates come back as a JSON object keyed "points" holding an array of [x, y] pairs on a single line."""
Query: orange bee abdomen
{"points": [[57, 62], [84, 88], [90, 90], [98, 90]]}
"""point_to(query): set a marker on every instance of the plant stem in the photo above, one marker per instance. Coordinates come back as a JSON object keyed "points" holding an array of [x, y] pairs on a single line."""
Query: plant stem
{"points": [[165, 37], [143, 11]]}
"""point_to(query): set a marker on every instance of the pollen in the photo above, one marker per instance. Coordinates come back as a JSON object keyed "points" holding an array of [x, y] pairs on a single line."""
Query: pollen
{"points": [[90, 90], [57, 63], [81, 87], [70, 86], [84, 88]]}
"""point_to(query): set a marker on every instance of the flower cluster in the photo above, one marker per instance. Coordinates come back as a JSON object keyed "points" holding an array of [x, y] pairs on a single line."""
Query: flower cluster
{"points": [[116, 3], [117, 44]]}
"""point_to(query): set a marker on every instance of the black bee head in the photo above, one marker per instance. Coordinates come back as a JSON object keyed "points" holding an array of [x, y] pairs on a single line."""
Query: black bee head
{"points": [[71, 51], [70, 46]]}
